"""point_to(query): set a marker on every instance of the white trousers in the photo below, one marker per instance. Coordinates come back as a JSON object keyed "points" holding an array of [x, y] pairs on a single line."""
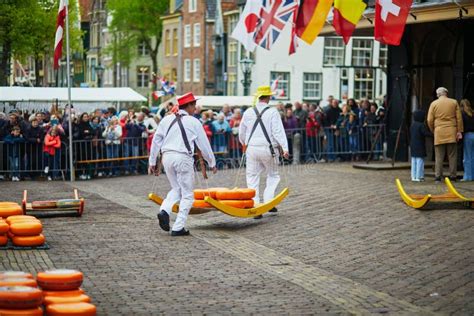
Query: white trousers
{"points": [[259, 159], [179, 169]]}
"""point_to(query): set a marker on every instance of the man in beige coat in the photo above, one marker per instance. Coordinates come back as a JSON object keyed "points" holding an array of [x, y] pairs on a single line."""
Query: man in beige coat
{"points": [[445, 121]]}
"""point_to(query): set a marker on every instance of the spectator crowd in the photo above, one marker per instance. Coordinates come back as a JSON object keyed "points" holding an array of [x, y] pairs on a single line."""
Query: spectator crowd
{"points": [[110, 143]]}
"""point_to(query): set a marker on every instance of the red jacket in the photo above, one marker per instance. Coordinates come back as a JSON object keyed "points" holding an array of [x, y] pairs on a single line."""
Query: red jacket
{"points": [[312, 128], [51, 143]]}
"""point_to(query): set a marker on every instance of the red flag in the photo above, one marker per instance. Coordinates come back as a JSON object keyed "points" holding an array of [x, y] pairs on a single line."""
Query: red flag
{"points": [[58, 40], [346, 15], [390, 19]]}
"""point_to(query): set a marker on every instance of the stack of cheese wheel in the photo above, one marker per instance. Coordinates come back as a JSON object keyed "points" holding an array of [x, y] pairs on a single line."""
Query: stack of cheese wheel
{"points": [[25, 231], [10, 209], [4, 228], [238, 197], [62, 293], [19, 294]]}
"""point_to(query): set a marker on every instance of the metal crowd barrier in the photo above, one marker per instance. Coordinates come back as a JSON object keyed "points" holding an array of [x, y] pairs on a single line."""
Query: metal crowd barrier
{"points": [[96, 158]]}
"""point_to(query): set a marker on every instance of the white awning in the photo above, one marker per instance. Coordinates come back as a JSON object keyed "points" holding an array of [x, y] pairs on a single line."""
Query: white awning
{"points": [[78, 95], [217, 102]]}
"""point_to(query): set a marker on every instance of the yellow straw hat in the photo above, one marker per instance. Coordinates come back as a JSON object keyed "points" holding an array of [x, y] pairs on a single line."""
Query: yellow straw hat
{"points": [[263, 91]]}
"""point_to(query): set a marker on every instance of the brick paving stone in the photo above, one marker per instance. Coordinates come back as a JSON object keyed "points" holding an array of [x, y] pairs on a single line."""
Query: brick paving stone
{"points": [[346, 225]]}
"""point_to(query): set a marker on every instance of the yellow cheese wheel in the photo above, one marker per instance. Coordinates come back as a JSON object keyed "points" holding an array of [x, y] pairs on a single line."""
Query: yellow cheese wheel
{"points": [[81, 298], [28, 241], [60, 280], [15, 274], [13, 218], [64, 293], [2, 204], [247, 193], [20, 297], [26, 228], [201, 204], [199, 194], [3, 240], [10, 210], [22, 312], [18, 281], [3, 227], [76, 309]]}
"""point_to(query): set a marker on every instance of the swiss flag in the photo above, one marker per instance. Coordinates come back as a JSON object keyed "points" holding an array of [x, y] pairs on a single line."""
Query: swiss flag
{"points": [[390, 19]]}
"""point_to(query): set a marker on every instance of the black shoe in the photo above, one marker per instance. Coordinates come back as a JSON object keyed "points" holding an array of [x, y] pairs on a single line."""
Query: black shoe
{"points": [[438, 179], [258, 217], [453, 179], [182, 232], [164, 220], [273, 210]]}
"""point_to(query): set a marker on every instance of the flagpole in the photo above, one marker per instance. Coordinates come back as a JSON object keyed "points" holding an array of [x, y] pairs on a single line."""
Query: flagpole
{"points": [[68, 70]]}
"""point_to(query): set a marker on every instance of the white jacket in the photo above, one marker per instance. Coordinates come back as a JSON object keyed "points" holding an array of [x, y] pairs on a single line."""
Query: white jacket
{"points": [[173, 142], [273, 124], [112, 136]]}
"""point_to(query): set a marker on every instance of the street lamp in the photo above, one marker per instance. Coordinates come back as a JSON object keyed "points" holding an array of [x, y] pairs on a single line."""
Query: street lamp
{"points": [[99, 69], [246, 67]]}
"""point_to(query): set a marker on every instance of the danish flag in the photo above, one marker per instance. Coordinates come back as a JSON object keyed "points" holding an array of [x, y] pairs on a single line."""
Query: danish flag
{"points": [[58, 40], [390, 20]]}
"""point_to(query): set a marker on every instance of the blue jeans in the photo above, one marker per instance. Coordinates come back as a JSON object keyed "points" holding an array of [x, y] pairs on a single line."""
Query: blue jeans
{"points": [[52, 161], [14, 165], [417, 168], [131, 149], [330, 148], [468, 157], [353, 143], [112, 151]]}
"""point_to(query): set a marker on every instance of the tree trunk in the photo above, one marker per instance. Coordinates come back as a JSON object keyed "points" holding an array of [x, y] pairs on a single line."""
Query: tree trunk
{"points": [[37, 66], [4, 64], [153, 55]]}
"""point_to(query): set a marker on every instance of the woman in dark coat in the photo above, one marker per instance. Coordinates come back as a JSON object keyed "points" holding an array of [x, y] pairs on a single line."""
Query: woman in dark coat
{"points": [[34, 136], [418, 132], [85, 135]]}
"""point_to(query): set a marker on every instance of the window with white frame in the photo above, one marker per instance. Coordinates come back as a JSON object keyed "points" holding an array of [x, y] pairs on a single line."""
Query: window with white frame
{"points": [[187, 70], [283, 83], [197, 34], [187, 35], [232, 21], [363, 83], [197, 70], [232, 53], [192, 5], [143, 76], [143, 49], [383, 56], [362, 52], [344, 83], [312, 86], [333, 51], [232, 83]]}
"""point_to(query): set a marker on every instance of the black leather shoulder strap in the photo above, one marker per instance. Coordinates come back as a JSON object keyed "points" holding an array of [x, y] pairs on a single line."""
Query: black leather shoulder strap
{"points": [[258, 122], [183, 132]]}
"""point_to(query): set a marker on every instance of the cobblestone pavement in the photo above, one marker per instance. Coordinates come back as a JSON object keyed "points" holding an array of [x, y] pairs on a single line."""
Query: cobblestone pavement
{"points": [[342, 243]]}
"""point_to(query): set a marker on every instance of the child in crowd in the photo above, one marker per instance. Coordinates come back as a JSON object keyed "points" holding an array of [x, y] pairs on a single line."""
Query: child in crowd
{"points": [[353, 131], [52, 152], [13, 141], [418, 132]]}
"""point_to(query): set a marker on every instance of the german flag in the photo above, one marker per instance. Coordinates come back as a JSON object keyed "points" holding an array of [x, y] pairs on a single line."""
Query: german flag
{"points": [[311, 17], [346, 15]]}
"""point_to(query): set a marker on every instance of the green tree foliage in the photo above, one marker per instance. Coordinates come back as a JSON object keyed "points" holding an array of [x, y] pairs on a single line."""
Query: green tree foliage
{"points": [[27, 28], [133, 22]]}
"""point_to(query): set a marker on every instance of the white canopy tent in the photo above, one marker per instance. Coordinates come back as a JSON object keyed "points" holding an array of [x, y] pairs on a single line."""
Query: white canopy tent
{"points": [[84, 99], [216, 102]]}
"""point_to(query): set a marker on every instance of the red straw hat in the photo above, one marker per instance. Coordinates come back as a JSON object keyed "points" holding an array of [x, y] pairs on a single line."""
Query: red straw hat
{"points": [[185, 99]]}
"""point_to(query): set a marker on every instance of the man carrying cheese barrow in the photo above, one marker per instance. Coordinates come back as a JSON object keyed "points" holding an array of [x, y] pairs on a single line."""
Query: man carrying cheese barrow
{"points": [[175, 138], [261, 132]]}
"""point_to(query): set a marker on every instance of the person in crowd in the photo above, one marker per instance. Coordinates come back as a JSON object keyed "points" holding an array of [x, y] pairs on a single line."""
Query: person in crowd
{"points": [[97, 144], [150, 128], [418, 132], [262, 141], [353, 107], [34, 136], [135, 129], [14, 141], [176, 143], [301, 114], [112, 135], [445, 122], [312, 131], [234, 144], [197, 112], [468, 140], [332, 115], [281, 108], [165, 110], [221, 131], [207, 124], [353, 132], [3, 151], [124, 117], [341, 133], [84, 136], [41, 118], [290, 125], [227, 112], [52, 152], [327, 104]]}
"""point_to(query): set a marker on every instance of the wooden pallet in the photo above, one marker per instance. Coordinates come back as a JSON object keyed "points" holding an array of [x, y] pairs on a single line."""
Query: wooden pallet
{"points": [[58, 211]]}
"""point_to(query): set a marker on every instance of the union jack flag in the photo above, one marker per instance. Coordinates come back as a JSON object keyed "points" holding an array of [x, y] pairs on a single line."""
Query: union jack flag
{"points": [[274, 15]]}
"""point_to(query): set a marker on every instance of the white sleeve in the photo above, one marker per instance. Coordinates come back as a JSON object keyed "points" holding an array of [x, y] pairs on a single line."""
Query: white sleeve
{"points": [[156, 144], [151, 122], [278, 131], [203, 143], [243, 129], [118, 131]]}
